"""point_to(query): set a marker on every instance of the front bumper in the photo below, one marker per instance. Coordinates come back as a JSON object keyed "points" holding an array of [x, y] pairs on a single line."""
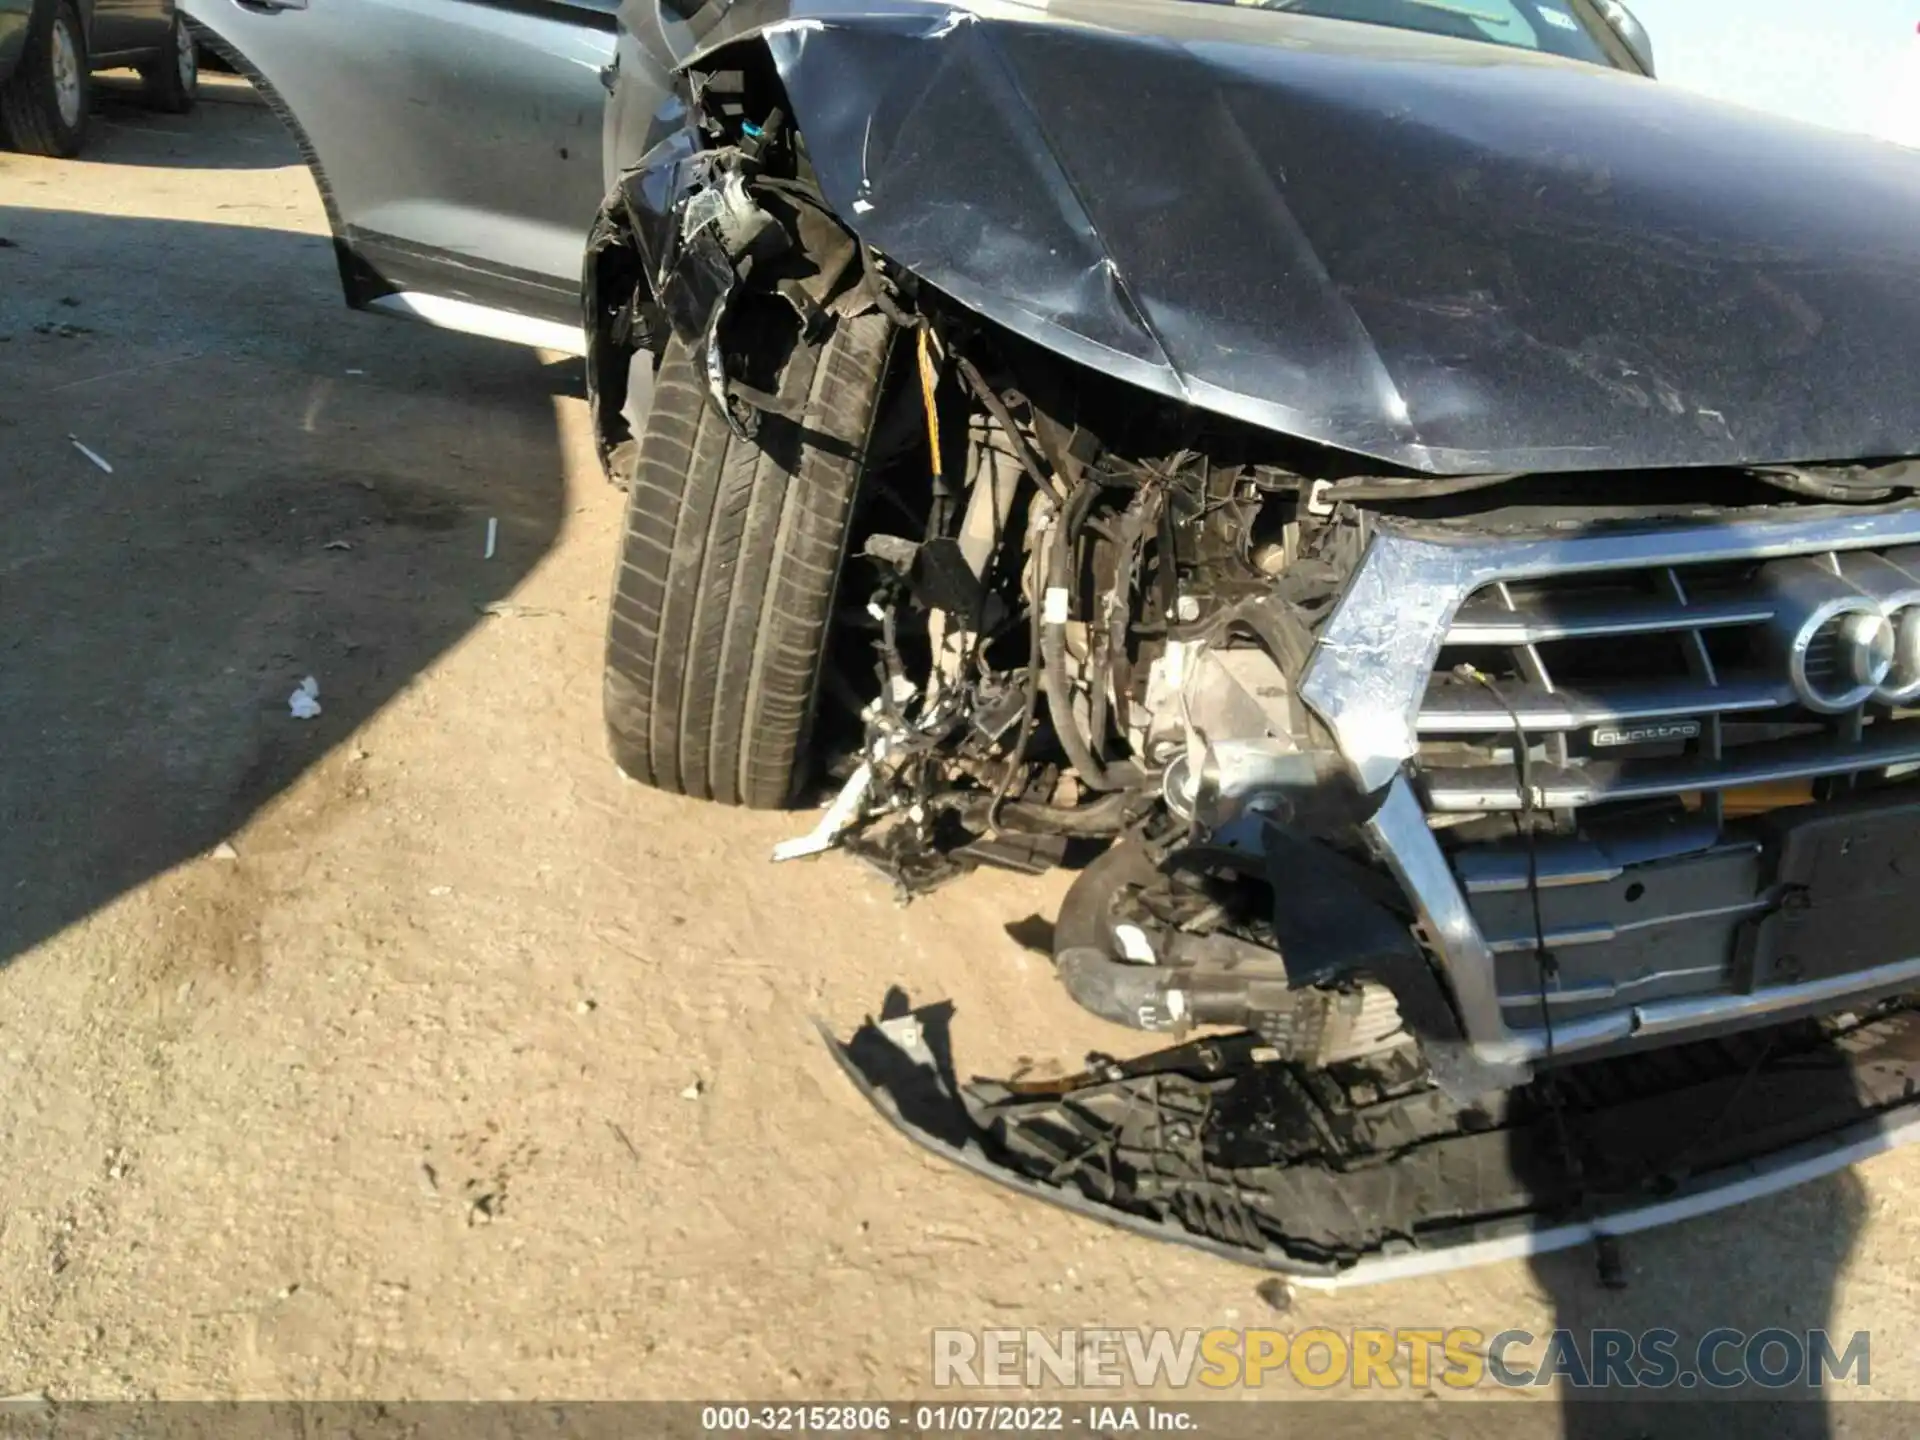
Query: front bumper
{"points": [[1211, 1146], [1401, 837]]}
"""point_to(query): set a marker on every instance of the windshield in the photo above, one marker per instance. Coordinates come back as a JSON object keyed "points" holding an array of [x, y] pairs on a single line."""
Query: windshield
{"points": [[1553, 26]]}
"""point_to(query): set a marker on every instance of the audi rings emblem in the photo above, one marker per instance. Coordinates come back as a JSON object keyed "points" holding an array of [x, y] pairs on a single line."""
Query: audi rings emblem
{"points": [[1849, 627]]}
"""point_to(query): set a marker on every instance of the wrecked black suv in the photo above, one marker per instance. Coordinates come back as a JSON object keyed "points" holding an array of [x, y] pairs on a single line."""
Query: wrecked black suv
{"points": [[1434, 502]]}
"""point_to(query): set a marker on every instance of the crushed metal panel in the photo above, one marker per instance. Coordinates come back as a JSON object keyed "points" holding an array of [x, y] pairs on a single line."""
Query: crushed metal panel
{"points": [[1448, 255]]}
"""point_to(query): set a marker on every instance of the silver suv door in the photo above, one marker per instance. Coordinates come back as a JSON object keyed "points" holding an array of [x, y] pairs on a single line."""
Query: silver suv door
{"points": [[456, 143]]}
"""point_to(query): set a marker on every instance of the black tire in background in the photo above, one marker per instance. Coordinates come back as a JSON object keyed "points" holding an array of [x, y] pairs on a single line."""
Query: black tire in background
{"points": [[43, 108], [171, 80], [728, 568]]}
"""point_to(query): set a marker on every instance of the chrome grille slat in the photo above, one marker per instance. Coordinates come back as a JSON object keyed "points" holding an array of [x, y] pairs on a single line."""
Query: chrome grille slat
{"points": [[1534, 669], [1496, 787], [1603, 990], [1700, 665], [1483, 621], [1376, 651], [1454, 708], [1612, 671]]}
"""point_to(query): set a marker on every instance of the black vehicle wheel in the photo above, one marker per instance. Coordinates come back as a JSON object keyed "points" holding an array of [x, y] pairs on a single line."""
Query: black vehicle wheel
{"points": [[172, 78], [43, 108], [728, 568]]}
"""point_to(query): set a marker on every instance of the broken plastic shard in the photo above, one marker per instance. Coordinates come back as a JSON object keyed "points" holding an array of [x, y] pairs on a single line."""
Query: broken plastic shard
{"points": [[304, 702], [508, 610], [91, 455], [844, 810]]}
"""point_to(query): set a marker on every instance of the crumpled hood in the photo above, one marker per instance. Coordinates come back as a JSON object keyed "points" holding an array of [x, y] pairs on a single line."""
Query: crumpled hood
{"points": [[1452, 256]]}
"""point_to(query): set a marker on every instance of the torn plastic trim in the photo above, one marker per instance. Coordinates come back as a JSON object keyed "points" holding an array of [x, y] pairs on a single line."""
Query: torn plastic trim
{"points": [[619, 302], [675, 240], [1787, 1170], [951, 1135], [909, 1080], [710, 221], [718, 230], [840, 816]]}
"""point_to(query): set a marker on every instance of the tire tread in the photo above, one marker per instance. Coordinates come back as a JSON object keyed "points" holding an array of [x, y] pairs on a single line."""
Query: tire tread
{"points": [[730, 558]]}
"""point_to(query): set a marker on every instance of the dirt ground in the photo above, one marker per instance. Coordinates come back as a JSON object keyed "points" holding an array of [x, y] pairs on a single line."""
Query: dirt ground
{"points": [[472, 1069]]}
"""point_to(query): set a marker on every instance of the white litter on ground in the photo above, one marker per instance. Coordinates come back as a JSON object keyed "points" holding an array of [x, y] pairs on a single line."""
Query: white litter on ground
{"points": [[91, 455], [493, 535], [304, 702]]}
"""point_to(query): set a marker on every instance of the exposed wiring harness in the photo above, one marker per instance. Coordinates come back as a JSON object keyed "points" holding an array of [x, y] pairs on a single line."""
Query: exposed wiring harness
{"points": [[1030, 462]]}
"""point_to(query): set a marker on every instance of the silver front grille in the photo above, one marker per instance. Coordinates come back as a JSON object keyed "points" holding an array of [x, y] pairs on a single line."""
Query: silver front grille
{"points": [[1657, 681], [1652, 669]]}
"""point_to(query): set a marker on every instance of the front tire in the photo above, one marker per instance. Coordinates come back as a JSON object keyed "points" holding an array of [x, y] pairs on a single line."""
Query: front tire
{"points": [[171, 80], [728, 569], [43, 108]]}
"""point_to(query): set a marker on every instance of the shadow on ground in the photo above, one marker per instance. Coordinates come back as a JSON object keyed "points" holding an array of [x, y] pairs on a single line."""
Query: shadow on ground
{"points": [[295, 490], [223, 132], [1760, 1277]]}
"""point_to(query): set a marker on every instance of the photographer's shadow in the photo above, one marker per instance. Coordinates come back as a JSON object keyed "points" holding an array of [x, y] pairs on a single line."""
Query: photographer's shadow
{"points": [[1746, 1293]]}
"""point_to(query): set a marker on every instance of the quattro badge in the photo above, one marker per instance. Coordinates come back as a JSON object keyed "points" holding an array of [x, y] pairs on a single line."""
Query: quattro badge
{"points": [[1659, 732]]}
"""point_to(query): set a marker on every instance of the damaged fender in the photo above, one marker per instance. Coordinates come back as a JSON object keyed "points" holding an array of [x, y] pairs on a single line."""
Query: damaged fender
{"points": [[681, 233], [1447, 255]]}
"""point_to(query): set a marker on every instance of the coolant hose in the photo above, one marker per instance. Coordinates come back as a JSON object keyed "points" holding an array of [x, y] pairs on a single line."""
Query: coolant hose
{"points": [[1152, 991], [1130, 995], [1105, 816]]}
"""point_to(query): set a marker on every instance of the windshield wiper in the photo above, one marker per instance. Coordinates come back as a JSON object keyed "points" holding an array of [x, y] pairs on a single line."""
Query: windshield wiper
{"points": [[1321, 10]]}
